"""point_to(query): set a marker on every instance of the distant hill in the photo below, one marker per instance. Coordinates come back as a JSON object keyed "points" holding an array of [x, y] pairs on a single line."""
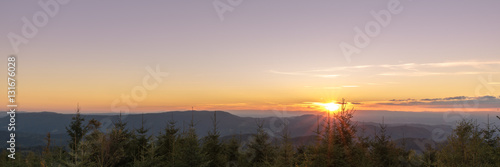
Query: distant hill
{"points": [[31, 128]]}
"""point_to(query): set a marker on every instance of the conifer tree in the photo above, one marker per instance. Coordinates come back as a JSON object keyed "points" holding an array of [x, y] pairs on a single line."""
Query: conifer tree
{"points": [[360, 152], [232, 152], [304, 155], [261, 148], [343, 136], [47, 157], [285, 157], [319, 150], [212, 147], [166, 142], [120, 141], [346, 128], [188, 152], [76, 131], [141, 143], [429, 157], [95, 145], [384, 151]]}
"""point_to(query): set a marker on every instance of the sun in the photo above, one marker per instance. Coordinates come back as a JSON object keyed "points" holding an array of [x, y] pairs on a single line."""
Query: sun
{"points": [[331, 107]]}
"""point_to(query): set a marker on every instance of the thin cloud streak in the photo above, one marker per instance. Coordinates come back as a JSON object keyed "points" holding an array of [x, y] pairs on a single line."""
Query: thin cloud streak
{"points": [[418, 74], [409, 66], [413, 68], [447, 102], [350, 86], [305, 74]]}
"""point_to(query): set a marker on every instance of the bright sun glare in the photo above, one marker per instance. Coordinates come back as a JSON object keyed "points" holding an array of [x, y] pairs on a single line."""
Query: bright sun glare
{"points": [[331, 106]]}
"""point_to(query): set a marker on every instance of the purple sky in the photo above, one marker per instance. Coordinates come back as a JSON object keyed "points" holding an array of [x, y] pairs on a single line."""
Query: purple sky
{"points": [[263, 53]]}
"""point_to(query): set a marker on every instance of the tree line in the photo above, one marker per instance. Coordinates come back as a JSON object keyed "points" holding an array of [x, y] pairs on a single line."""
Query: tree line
{"points": [[336, 145]]}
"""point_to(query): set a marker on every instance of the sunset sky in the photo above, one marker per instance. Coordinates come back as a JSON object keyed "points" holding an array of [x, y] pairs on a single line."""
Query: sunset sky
{"points": [[262, 55]]}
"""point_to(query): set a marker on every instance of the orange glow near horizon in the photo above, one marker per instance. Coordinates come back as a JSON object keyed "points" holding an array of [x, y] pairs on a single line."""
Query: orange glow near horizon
{"points": [[294, 107]]}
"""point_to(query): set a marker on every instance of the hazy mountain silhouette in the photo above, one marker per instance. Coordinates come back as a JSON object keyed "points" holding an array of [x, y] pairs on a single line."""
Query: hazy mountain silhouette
{"points": [[31, 128]]}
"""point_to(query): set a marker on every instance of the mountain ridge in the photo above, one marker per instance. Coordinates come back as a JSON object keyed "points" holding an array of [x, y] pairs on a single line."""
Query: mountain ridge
{"points": [[32, 127]]}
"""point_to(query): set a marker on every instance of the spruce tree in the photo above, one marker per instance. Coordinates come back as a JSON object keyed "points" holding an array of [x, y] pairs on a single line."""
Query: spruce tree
{"points": [[76, 131], [260, 148], [346, 128], [47, 156], [141, 142], [95, 146], [384, 151], [285, 157], [318, 152], [188, 152], [343, 136], [328, 149], [360, 151], [429, 156], [120, 141], [212, 148], [232, 152], [166, 142]]}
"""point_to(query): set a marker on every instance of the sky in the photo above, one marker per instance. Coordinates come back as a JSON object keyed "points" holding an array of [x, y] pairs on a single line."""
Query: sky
{"points": [[253, 55]]}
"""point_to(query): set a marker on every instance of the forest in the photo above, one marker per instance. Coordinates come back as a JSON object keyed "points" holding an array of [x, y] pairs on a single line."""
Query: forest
{"points": [[336, 144]]}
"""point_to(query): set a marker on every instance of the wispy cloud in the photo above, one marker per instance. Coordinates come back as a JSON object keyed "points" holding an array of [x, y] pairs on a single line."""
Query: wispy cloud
{"points": [[286, 73], [327, 76], [417, 73], [306, 74], [463, 63], [413, 66], [332, 88], [350, 86], [405, 69], [447, 102]]}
